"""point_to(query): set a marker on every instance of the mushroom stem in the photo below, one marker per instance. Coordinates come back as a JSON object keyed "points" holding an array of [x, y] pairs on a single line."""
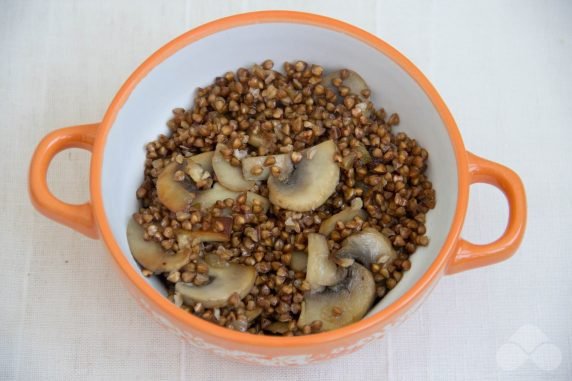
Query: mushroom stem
{"points": [[229, 176], [282, 161], [225, 280], [341, 304], [321, 271], [150, 254]]}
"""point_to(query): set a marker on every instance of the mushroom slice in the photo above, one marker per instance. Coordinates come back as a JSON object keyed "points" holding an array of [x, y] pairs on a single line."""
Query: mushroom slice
{"points": [[225, 280], [299, 261], [178, 195], [346, 215], [342, 304], [209, 197], [205, 160], [261, 139], [150, 254], [251, 196], [196, 171], [367, 247], [185, 237], [354, 82], [229, 176], [321, 271], [313, 180], [175, 195], [283, 161]]}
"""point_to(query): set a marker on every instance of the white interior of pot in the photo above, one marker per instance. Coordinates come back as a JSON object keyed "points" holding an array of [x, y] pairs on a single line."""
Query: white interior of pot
{"points": [[173, 83]]}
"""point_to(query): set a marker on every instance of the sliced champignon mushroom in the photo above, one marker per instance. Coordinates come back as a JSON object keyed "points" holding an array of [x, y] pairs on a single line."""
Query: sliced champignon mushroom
{"points": [[261, 139], [209, 197], [367, 247], [179, 195], [150, 254], [311, 182], [346, 215], [342, 304], [356, 85], [195, 171], [299, 261], [354, 82], [282, 161], [185, 237], [264, 203], [230, 177], [225, 280], [175, 195], [321, 270], [205, 160]]}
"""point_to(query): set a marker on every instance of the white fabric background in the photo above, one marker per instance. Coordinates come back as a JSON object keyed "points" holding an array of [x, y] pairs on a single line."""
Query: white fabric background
{"points": [[503, 67]]}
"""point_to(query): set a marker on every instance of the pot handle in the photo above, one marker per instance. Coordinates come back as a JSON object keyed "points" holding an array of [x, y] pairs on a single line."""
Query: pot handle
{"points": [[76, 216], [470, 255]]}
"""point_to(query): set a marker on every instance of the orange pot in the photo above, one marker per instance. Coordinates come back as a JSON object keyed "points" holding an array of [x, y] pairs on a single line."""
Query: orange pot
{"points": [[166, 79]]}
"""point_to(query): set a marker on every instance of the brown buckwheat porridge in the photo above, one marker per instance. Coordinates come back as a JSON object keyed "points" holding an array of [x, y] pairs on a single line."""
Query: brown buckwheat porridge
{"points": [[281, 203]]}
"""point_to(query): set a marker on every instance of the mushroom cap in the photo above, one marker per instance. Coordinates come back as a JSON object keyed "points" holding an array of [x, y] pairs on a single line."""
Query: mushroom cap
{"points": [[209, 197], [367, 247], [150, 254], [229, 176], [175, 195], [261, 139], [354, 82], [321, 270], [225, 280], [283, 161], [179, 195], [311, 182], [205, 160], [352, 298], [264, 203], [185, 237], [195, 171], [344, 216]]}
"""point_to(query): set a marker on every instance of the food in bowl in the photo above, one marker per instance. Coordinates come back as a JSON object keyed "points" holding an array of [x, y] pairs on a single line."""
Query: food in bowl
{"points": [[281, 203]]}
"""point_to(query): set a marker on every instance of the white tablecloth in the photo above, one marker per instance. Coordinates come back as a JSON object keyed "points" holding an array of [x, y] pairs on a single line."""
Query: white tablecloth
{"points": [[503, 67]]}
